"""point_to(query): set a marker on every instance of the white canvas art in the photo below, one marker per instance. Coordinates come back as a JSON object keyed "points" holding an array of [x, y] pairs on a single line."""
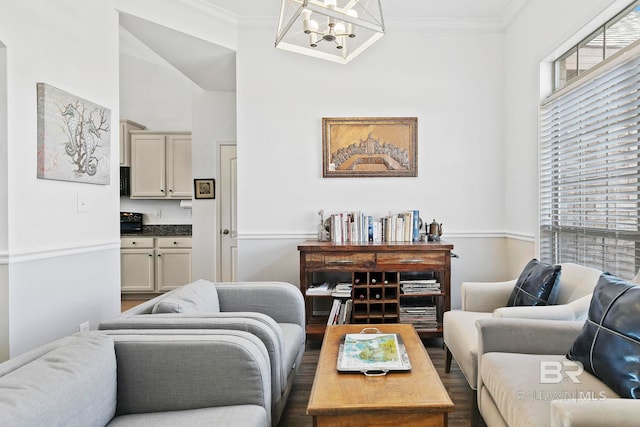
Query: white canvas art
{"points": [[74, 137]]}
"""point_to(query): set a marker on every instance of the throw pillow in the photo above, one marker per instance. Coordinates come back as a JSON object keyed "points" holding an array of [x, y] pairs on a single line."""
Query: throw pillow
{"points": [[609, 344], [197, 297], [537, 285]]}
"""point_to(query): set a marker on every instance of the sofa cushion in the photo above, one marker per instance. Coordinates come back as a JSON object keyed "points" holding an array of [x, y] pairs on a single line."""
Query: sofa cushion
{"points": [[609, 344], [223, 416], [71, 385], [522, 395], [537, 285], [197, 297]]}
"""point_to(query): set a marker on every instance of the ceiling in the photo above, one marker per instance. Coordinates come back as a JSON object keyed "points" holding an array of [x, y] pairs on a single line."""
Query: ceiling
{"points": [[212, 67]]}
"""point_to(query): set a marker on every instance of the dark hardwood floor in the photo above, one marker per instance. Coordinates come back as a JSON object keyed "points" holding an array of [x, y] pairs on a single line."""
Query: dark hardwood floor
{"points": [[295, 412]]}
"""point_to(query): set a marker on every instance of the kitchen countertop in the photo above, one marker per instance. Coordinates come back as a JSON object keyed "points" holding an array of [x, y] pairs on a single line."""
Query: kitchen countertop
{"points": [[161, 231]]}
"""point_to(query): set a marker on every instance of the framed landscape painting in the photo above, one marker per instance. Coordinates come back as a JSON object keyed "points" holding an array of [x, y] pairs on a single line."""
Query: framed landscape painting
{"points": [[74, 137], [370, 147]]}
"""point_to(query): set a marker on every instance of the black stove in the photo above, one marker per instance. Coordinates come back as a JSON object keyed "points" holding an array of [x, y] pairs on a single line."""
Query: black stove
{"points": [[130, 222]]}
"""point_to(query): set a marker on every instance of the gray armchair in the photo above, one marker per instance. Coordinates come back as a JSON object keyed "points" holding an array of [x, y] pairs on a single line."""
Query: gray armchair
{"points": [[272, 311], [488, 300]]}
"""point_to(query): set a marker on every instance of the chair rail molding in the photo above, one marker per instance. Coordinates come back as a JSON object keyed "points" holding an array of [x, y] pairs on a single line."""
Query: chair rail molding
{"points": [[297, 235], [71, 250]]}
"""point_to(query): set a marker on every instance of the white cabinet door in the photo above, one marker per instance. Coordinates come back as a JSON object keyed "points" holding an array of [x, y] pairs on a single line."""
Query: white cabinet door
{"points": [[173, 267], [179, 179], [137, 272], [148, 159], [125, 140]]}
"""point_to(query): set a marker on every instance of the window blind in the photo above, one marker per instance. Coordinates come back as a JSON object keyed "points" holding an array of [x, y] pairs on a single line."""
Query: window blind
{"points": [[590, 172]]}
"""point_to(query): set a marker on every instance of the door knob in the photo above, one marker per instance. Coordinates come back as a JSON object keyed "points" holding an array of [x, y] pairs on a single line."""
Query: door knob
{"points": [[225, 231]]}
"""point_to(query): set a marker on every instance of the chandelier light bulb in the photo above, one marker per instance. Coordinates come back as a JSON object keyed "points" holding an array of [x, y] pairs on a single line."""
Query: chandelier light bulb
{"points": [[354, 14], [330, 4], [306, 20]]}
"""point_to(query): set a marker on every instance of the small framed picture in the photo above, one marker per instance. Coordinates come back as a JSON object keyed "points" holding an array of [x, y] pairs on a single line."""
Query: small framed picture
{"points": [[204, 188]]}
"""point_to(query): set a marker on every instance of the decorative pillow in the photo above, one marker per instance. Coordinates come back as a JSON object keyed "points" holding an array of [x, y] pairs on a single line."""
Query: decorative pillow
{"points": [[197, 297], [609, 344], [537, 285]]}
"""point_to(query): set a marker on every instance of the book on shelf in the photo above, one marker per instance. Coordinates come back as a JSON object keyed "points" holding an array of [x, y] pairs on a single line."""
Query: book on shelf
{"points": [[338, 290], [341, 290], [323, 288], [358, 227], [426, 286], [421, 317], [340, 312]]}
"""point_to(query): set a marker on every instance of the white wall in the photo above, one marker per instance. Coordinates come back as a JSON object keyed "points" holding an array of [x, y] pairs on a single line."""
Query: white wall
{"points": [[451, 80], [214, 122], [73, 46], [532, 37]]}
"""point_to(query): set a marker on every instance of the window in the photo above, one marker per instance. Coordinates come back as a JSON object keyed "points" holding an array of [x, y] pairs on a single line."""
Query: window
{"points": [[615, 35], [590, 170]]}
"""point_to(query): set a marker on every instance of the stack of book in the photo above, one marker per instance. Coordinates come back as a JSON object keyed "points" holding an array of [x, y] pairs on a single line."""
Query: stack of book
{"points": [[340, 312], [356, 227], [421, 317], [323, 288], [341, 290], [426, 286]]}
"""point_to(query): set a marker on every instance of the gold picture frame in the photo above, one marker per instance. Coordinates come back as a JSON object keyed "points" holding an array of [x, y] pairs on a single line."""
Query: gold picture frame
{"points": [[370, 147]]}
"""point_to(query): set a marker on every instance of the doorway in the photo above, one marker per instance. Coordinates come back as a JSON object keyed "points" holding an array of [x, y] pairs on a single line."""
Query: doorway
{"points": [[228, 241]]}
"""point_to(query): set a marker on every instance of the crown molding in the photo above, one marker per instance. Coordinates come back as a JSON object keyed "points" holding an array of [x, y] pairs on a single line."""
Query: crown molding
{"points": [[210, 9], [511, 12]]}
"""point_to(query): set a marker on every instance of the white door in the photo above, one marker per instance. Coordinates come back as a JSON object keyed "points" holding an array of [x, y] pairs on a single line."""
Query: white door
{"points": [[227, 205]]}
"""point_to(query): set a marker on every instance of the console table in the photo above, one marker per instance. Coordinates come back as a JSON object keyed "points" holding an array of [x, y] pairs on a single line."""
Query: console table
{"points": [[375, 271]]}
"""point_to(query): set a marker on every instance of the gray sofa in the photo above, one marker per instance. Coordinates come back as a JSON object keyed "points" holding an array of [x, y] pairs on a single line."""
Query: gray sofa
{"points": [[511, 392], [272, 311], [139, 379]]}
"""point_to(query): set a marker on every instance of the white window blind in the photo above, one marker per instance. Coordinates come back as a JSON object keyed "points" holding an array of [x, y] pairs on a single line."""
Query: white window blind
{"points": [[590, 172]]}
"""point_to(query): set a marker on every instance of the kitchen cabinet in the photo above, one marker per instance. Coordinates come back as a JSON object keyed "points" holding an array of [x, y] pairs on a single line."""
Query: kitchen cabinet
{"points": [[126, 126], [161, 165], [154, 264]]}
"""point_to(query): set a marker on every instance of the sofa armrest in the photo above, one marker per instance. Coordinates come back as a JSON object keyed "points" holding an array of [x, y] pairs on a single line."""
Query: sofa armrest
{"points": [[527, 336], [595, 413], [549, 312], [575, 310], [258, 324], [485, 296], [174, 371], [281, 301]]}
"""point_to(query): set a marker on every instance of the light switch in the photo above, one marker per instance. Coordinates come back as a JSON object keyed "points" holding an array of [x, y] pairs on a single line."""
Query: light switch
{"points": [[83, 206]]}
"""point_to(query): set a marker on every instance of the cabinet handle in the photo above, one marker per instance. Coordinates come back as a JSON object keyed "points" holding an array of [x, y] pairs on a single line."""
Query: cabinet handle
{"points": [[150, 255], [411, 261], [133, 243], [159, 255], [170, 190], [162, 189], [175, 243], [341, 261]]}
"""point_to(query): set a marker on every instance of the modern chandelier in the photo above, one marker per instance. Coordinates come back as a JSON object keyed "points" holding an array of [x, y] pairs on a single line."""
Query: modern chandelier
{"points": [[335, 30]]}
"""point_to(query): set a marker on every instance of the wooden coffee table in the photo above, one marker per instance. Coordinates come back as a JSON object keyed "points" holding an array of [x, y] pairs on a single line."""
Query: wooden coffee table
{"points": [[415, 398]]}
